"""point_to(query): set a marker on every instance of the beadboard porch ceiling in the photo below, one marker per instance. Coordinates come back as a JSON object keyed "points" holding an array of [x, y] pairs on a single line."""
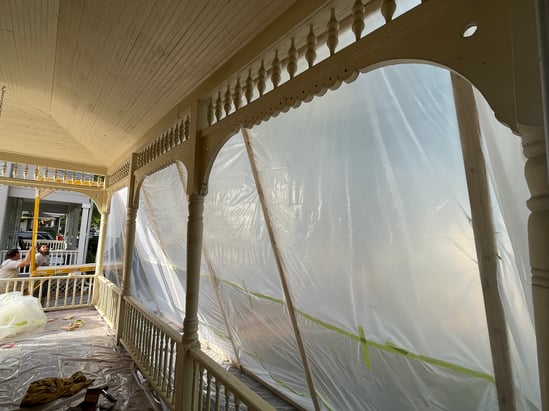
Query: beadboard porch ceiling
{"points": [[85, 81]]}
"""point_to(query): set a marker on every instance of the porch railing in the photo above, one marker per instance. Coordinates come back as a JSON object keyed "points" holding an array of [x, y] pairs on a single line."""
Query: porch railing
{"points": [[215, 389], [155, 346], [107, 297], [57, 258], [55, 292], [52, 244]]}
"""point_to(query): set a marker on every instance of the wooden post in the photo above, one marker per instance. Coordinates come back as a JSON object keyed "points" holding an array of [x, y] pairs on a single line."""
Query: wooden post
{"points": [[101, 242], [485, 242], [34, 233], [129, 242], [538, 239], [190, 324]]}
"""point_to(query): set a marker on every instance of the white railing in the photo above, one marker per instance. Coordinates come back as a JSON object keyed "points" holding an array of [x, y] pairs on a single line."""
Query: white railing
{"points": [[107, 297], [57, 258], [52, 244], [56, 292], [215, 389], [155, 346], [151, 342]]}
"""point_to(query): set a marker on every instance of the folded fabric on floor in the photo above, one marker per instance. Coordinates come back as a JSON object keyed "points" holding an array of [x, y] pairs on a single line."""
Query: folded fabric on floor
{"points": [[49, 389]]}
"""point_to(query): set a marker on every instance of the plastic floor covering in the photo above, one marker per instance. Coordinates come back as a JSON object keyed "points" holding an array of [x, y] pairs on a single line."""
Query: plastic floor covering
{"points": [[52, 351]]}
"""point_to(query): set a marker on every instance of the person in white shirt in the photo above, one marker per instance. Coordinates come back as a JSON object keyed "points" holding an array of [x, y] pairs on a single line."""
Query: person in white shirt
{"points": [[42, 257], [10, 267]]}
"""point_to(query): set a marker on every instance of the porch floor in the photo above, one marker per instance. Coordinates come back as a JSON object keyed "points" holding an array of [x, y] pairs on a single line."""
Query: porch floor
{"points": [[53, 352]]}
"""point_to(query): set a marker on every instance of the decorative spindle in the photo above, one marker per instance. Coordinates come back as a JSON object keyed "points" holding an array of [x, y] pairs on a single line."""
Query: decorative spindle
{"points": [[275, 75], [310, 54], [26, 171], [218, 107], [55, 175], [261, 79], [249, 88], [358, 19], [210, 112], [178, 138], [186, 127], [333, 31], [227, 104], [388, 8], [15, 171], [173, 137], [36, 172], [5, 169], [292, 60], [237, 95], [46, 174]]}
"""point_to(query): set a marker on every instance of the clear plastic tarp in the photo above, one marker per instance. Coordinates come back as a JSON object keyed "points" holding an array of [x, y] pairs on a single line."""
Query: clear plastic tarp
{"points": [[355, 207]]}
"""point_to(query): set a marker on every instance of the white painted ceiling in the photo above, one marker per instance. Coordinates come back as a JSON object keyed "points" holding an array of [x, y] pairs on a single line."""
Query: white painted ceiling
{"points": [[85, 80]]}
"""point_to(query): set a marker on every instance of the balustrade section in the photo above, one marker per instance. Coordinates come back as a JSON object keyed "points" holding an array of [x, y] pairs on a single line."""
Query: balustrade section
{"points": [[32, 172], [55, 293], [107, 297], [215, 389], [153, 347]]}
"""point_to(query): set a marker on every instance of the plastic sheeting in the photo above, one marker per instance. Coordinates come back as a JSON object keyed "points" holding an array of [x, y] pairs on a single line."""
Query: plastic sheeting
{"points": [[54, 352], [114, 239], [367, 214], [19, 314], [510, 193]]}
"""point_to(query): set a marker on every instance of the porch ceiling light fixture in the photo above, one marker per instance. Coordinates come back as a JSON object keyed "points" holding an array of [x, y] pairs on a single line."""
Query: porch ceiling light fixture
{"points": [[469, 30]]}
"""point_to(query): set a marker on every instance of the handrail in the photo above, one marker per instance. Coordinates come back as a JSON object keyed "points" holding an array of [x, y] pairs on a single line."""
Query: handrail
{"points": [[228, 392]]}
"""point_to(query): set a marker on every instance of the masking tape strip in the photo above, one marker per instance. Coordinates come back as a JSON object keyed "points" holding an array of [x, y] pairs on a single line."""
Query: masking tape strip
{"points": [[364, 345], [387, 346]]}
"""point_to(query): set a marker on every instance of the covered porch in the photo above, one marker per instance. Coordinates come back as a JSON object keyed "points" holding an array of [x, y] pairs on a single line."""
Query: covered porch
{"points": [[348, 199]]}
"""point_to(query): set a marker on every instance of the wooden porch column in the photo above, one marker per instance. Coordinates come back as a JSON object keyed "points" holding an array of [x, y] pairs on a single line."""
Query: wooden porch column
{"points": [[190, 323], [538, 239], [129, 243], [101, 242]]}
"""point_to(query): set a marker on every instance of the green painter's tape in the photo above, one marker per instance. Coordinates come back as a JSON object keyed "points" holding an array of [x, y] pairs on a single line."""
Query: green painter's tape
{"points": [[364, 345], [250, 301], [387, 346]]}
